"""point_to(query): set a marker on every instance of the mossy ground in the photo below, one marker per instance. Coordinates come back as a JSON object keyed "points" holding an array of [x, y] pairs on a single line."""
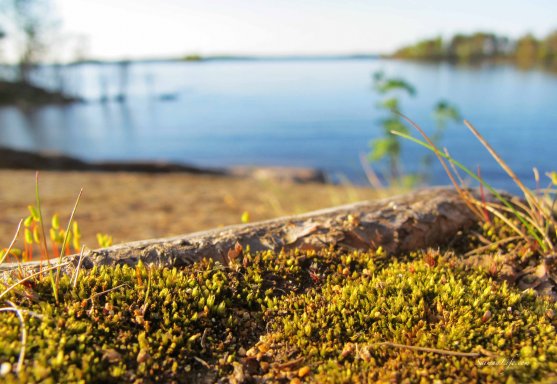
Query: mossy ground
{"points": [[287, 317]]}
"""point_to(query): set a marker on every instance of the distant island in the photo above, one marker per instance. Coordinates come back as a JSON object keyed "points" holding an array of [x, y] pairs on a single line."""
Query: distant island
{"points": [[526, 51], [355, 56]]}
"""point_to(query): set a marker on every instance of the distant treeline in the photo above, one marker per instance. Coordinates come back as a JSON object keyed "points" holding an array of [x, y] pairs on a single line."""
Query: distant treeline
{"points": [[526, 51]]}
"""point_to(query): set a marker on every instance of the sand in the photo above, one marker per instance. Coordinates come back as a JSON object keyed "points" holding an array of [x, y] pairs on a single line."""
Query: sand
{"points": [[135, 206]]}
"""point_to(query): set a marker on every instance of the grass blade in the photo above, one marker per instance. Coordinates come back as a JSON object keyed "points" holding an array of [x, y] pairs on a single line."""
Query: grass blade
{"points": [[461, 191], [497, 195], [530, 198], [41, 227], [66, 236], [12, 243]]}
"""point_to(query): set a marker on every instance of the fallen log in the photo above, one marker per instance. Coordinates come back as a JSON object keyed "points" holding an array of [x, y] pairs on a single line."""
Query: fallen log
{"points": [[403, 223]]}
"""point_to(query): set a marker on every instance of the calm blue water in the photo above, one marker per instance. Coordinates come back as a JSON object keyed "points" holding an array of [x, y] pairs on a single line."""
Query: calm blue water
{"points": [[318, 113]]}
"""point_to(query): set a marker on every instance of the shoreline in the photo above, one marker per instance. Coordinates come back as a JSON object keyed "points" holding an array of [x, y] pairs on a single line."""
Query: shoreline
{"points": [[15, 159], [26, 95]]}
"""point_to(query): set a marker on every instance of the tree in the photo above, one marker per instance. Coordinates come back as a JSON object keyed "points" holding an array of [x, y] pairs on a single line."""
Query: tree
{"points": [[549, 49], [527, 51], [29, 24], [430, 49]]}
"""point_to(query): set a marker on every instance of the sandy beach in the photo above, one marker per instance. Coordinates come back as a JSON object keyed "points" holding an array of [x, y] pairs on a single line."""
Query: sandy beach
{"points": [[136, 206]]}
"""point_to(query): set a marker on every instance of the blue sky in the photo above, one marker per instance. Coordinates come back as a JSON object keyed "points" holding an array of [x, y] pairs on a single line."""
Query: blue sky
{"points": [[151, 28]]}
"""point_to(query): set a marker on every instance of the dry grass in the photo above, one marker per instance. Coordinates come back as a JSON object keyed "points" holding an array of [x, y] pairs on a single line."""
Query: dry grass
{"points": [[530, 222]]}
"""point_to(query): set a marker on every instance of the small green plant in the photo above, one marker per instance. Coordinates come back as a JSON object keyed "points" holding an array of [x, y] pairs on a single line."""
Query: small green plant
{"points": [[388, 146], [104, 240], [63, 241], [245, 217]]}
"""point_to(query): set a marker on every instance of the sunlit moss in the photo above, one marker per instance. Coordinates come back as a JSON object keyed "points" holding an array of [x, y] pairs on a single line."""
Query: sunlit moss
{"points": [[337, 327], [296, 316]]}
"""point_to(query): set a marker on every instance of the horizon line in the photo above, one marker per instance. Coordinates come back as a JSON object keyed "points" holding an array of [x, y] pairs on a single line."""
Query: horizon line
{"points": [[192, 58]]}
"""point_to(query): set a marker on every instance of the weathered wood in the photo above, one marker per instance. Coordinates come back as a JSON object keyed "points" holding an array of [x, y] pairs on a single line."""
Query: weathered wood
{"points": [[402, 223]]}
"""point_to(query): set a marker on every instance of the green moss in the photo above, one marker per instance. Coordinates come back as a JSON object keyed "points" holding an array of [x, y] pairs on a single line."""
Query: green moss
{"points": [[337, 327], [280, 317]]}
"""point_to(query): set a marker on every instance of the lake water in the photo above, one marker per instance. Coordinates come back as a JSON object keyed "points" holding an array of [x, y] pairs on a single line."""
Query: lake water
{"points": [[316, 113]]}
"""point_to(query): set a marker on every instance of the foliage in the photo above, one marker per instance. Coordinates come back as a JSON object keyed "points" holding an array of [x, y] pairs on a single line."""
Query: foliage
{"points": [[427, 48], [193, 57], [525, 51], [388, 146], [29, 25]]}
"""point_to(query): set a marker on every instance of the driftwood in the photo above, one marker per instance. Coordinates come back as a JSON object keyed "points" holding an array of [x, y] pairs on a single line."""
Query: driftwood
{"points": [[402, 223]]}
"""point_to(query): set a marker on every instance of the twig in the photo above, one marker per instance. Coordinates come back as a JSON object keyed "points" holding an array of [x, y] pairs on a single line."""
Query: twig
{"points": [[435, 149], [424, 349], [44, 252], [203, 362], [204, 338], [455, 169], [289, 363], [496, 243], [485, 352], [533, 202], [107, 291], [527, 193], [482, 194]]}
